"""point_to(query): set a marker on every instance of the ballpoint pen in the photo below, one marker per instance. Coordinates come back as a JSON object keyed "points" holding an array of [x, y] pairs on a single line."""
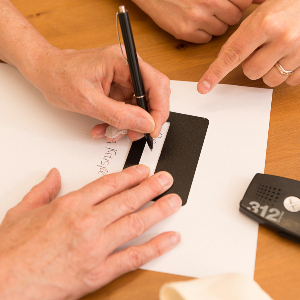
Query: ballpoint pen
{"points": [[133, 65]]}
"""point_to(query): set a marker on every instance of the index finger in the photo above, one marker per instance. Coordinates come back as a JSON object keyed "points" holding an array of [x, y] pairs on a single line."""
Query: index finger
{"points": [[238, 47], [157, 87]]}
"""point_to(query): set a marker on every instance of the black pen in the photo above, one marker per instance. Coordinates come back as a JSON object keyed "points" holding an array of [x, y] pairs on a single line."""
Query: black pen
{"points": [[133, 65]]}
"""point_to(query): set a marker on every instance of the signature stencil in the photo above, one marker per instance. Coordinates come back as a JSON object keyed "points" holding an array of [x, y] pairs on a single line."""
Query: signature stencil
{"points": [[179, 154]]}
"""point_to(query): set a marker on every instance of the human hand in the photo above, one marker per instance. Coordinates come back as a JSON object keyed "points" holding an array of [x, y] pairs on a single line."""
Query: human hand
{"points": [[97, 83], [194, 20], [269, 35], [63, 248]]}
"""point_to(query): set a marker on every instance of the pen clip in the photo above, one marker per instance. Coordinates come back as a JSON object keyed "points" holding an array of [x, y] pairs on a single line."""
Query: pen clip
{"points": [[117, 24]]}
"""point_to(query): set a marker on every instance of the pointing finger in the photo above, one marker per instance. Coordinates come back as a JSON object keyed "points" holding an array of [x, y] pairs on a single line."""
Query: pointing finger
{"points": [[239, 46]]}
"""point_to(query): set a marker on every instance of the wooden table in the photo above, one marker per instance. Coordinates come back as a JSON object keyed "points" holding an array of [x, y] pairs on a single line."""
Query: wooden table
{"points": [[82, 24]]}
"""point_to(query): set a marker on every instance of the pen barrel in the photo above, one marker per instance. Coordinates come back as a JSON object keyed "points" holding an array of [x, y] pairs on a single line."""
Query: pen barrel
{"points": [[131, 55], [142, 102]]}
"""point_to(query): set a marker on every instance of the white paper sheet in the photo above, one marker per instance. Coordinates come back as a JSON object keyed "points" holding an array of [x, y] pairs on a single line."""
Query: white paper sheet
{"points": [[216, 237]]}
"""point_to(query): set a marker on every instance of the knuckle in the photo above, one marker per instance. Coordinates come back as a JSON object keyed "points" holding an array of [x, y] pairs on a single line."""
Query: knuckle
{"points": [[129, 201], [292, 81], [153, 186], [92, 278], [164, 208], [205, 39], [235, 17], [131, 175], [43, 194], [289, 37], [216, 74], [157, 249], [135, 258], [136, 224], [182, 31], [269, 24], [220, 29], [65, 203], [84, 223], [111, 182], [193, 14], [232, 56], [250, 72]]}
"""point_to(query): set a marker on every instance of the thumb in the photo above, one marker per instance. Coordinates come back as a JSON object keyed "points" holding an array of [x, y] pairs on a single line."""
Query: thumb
{"points": [[41, 194], [123, 116]]}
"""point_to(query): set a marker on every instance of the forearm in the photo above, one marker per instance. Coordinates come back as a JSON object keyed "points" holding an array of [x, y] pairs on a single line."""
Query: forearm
{"points": [[20, 44]]}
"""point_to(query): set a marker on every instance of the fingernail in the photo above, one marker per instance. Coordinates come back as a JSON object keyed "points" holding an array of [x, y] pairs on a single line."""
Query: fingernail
{"points": [[165, 179], [175, 201], [142, 169], [144, 125], [98, 136], [204, 87], [174, 239]]}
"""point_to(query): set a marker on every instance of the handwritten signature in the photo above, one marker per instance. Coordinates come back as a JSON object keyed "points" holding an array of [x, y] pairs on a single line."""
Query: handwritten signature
{"points": [[108, 156]]}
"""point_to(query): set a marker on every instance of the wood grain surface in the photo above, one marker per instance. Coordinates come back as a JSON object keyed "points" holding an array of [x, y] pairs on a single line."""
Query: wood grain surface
{"points": [[82, 24]]}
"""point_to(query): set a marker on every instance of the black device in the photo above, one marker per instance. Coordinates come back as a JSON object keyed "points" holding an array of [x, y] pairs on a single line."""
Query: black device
{"points": [[180, 153], [274, 202]]}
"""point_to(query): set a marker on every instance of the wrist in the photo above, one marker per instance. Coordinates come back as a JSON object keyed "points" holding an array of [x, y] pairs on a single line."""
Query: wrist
{"points": [[35, 61], [17, 283]]}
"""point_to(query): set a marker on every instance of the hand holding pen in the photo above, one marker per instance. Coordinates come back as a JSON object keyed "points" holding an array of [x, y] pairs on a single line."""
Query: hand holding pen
{"points": [[118, 88]]}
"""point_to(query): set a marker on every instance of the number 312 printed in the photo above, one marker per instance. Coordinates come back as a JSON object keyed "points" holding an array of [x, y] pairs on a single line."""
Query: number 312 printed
{"points": [[274, 214]]}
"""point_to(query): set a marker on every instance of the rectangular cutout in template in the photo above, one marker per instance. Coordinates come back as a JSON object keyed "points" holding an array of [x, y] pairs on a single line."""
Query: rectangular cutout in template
{"points": [[180, 153]]}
